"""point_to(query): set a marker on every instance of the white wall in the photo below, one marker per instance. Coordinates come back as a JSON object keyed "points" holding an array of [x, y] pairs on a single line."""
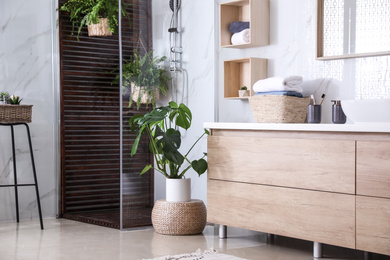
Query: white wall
{"points": [[197, 22], [292, 52], [26, 70]]}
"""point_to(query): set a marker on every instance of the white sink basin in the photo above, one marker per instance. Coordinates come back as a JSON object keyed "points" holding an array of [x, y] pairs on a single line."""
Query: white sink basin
{"points": [[367, 111]]}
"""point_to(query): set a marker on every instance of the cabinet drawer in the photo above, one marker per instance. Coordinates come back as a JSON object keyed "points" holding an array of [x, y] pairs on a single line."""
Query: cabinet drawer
{"points": [[311, 215], [373, 169], [373, 224], [327, 165]]}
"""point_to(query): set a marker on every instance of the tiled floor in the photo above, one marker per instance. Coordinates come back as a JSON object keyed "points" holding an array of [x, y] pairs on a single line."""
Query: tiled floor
{"points": [[71, 240]]}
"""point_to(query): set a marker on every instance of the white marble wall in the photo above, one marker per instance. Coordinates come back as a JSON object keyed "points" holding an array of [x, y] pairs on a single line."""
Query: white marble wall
{"points": [[292, 52], [26, 55], [197, 81]]}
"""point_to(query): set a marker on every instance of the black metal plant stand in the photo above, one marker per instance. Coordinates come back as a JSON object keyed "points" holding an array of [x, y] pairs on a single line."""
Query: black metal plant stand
{"points": [[16, 185]]}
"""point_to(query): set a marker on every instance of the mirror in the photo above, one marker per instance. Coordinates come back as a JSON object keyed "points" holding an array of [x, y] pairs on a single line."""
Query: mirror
{"points": [[352, 28]]}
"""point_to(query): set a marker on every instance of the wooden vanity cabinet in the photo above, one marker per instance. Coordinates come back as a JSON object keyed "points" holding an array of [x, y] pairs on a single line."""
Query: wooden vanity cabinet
{"points": [[373, 196], [330, 188]]}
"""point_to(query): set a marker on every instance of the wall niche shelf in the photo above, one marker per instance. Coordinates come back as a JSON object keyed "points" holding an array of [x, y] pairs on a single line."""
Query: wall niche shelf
{"points": [[254, 11], [242, 72]]}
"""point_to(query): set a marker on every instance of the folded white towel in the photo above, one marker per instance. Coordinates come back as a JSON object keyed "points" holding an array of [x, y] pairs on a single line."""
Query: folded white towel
{"points": [[290, 83], [241, 37]]}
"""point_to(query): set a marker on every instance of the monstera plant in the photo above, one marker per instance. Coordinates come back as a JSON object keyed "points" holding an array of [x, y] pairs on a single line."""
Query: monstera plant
{"points": [[162, 126]]}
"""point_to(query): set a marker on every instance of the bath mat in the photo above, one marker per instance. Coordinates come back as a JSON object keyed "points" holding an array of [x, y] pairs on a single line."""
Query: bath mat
{"points": [[199, 255]]}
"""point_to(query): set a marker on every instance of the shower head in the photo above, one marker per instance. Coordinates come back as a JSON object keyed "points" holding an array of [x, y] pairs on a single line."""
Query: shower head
{"points": [[178, 2]]}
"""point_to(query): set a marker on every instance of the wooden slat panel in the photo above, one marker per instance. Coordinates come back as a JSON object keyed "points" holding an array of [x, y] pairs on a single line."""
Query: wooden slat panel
{"points": [[326, 165], [373, 224], [316, 216], [90, 118], [373, 169]]}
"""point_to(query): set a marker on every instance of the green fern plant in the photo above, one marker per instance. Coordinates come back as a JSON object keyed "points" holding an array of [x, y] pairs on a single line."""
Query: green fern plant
{"points": [[145, 72], [86, 12]]}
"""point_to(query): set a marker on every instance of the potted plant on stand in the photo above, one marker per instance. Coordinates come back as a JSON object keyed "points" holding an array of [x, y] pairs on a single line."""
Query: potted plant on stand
{"points": [[145, 78], [101, 16], [162, 125]]}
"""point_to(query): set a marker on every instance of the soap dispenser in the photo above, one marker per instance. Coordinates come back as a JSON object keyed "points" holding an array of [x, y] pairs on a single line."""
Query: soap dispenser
{"points": [[338, 116]]}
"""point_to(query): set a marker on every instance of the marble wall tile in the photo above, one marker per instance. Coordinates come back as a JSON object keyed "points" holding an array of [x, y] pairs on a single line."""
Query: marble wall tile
{"points": [[26, 70]]}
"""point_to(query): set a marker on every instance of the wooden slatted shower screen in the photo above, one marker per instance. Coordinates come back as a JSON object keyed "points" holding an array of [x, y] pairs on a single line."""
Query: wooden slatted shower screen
{"points": [[90, 126]]}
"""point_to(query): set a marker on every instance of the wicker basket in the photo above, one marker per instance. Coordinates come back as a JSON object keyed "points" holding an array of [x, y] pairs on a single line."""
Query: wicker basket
{"points": [[99, 29], [279, 109], [179, 218], [145, 98], [15, 113]]}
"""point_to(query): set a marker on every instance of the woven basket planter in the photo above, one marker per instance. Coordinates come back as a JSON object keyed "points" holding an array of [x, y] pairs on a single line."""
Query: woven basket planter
{"points": [[15, 113], [179, 218], [145, 99], [278, 109], [99, 29]]}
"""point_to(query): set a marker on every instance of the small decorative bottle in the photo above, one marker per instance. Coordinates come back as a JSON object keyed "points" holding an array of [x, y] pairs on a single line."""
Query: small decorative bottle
{"points": [[338, 116]]}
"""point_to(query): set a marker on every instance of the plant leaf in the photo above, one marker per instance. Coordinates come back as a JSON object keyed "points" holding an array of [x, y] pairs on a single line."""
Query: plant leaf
{"points": [[200, 166], [183, 116], [170, 142], [147, 168], [136, 141], [173, 104]]}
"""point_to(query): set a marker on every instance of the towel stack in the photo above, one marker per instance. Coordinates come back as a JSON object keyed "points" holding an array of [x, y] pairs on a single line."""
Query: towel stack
{"points": [[288, 86], [241, 32]]}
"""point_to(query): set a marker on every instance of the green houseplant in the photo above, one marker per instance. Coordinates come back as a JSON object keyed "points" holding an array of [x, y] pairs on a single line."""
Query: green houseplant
{"points": [[4, 96], [14, 100], [162, 125], [88, 12], [144, 77], [243, 92]]}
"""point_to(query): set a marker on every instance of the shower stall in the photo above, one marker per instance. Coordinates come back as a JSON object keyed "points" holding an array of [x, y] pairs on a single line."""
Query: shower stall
{"points": [[100, 181]]}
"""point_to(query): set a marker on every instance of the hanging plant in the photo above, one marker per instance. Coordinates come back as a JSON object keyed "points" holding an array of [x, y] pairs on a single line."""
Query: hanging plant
{"points": [[89, 12], [145, 78]]}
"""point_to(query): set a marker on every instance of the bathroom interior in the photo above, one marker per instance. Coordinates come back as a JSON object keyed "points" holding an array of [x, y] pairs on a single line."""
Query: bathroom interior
{"points": [[79, 130]]}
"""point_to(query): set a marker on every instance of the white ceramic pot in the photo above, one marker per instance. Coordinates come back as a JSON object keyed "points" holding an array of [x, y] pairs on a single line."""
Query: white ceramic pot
{"points": [[243, 93], [178, 190]]}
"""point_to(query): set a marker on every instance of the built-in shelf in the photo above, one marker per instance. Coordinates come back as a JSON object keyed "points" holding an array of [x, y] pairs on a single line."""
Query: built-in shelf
{"points": [[243, 72], [256, 12]]}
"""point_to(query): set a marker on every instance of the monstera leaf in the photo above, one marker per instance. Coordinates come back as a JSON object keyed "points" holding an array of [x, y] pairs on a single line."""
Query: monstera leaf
{"points": [[170, 142], [200, 166]]}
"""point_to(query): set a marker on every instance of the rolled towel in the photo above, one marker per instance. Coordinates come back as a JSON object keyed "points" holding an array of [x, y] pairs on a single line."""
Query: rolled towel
{"points": [[293, 81], [279, 84], [281, 93], [236, 27], [241, 37]]}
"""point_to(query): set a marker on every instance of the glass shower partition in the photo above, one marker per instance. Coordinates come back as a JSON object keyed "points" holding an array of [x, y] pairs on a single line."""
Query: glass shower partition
{"points": [[100, 181], [136, 192]]}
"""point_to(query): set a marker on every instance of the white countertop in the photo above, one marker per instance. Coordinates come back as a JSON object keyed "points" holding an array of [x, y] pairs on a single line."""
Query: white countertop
{"points": [[366, 128]]}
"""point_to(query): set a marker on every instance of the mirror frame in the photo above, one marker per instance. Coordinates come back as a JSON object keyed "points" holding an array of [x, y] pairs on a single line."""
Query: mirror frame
{"points": [[320, 40]]}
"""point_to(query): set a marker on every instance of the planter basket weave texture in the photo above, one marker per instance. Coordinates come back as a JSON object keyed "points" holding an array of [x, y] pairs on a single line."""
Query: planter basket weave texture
{"points": [[179, 218], [99, 29], [15, 113], [279, 109]]}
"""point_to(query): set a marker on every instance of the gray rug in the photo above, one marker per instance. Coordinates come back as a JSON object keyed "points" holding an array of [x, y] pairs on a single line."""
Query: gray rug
{"points": [[199, 255]]}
